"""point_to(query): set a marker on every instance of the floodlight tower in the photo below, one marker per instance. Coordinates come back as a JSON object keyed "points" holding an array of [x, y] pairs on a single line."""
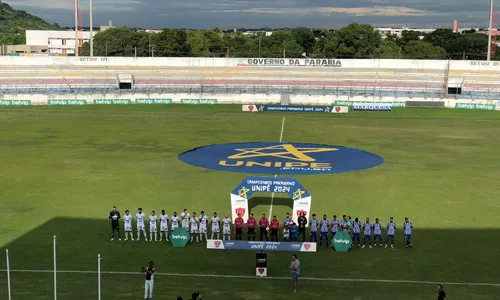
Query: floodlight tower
{"points": [[492, 7], [76, 27]]}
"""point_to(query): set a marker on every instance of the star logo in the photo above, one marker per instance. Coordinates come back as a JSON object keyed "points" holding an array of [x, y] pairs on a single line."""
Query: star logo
{"points": [[298, 194], [261, 108], [243, 192], [327, 109], [285, 151]]}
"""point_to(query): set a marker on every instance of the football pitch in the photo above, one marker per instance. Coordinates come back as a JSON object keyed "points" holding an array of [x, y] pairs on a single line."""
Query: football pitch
{"points": [[63, 168]]}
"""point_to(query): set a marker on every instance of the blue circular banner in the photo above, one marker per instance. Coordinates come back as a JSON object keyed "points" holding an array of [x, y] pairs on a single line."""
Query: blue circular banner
{"points": [[281, 158]]}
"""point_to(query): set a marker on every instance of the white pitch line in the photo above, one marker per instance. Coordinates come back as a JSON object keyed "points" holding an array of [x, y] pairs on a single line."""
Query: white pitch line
{"points": [[265, 278], [276, 175]]}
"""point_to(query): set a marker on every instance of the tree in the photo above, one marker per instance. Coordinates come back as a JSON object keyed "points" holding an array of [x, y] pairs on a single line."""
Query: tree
{"points": [[442, 37], [422, 50], [357, 40], [388, 49], [305, 38]]}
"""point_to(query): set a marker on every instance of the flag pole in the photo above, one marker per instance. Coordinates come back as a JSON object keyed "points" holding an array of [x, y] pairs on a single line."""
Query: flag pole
{"points": [[55, 272], [8, 273], [99, 276]]}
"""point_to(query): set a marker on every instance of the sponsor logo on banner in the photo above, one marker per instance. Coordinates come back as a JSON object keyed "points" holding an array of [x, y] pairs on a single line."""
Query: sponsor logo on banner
{"points": [[15, 102], [295, 108], [67, 102], [261, 246], [475, 106], [371, 107], [179, 237], [292, 62], [112, 101], [342, 241], [198, 101], [350, 103], [240, 211], [280, 158], [153, 101]]}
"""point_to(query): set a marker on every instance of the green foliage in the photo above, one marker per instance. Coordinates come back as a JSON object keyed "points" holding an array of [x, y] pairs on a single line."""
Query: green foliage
{"points": [[353, 41], [14, 23]]}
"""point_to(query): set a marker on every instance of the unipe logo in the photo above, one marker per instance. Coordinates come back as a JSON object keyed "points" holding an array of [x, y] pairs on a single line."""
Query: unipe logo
{"points": [[281, 158]]}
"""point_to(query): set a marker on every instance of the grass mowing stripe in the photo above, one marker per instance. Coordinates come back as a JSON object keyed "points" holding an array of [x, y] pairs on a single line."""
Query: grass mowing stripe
{"points": [[269, 277], [276, 175]]}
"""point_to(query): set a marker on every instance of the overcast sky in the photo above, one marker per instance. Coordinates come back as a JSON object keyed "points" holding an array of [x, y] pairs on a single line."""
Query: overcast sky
{"points": [[156, 14]]}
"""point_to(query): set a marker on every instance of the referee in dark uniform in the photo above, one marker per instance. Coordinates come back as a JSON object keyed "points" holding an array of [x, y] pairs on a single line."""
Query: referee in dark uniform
{"points": [[115, 216], [441, 293], [302, 226]]}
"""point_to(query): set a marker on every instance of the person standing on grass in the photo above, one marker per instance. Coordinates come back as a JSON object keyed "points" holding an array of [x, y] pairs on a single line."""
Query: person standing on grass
{"points": [[408, 227], [294, 233], [294, 267], [238, 226], [391, 229], [264, 227], [302, 220], [313, 229], [251, 223], [441, 293], [275, 226], [148, 286], [114, 216], [324, 228]]}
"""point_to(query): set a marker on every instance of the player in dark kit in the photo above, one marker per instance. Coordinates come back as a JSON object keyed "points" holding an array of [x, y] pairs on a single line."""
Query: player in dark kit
{"points": [[302, 226], [114, 216]]}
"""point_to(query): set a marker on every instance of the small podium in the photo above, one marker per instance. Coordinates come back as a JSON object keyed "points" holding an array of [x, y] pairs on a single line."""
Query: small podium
{"points": [[261, 264]]}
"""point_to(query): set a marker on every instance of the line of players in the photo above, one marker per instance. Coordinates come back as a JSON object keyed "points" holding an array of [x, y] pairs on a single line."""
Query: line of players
{"points": [[197, 226]]}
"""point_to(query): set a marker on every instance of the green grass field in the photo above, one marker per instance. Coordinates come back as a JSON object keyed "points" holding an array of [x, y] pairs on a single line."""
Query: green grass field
{"points": [[63, 168]]}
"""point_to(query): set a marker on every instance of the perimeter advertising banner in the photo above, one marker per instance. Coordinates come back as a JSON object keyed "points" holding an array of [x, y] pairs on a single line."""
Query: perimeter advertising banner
{"points": [[296, 108], [244, 191], [261, 246]]}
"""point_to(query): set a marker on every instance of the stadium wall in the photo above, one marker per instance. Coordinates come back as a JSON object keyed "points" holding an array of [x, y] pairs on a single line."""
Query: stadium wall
{"points": [[135, 98], [244, 62]]}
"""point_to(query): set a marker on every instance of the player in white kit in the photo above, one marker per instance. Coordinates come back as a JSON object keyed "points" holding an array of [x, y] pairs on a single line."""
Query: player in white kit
{"points": [[175, 221], [226, 228], [152, 226], [163, 225], [185, 219], [194, 227], [203, 226], [127, 225], [215, 226], [140, 218]]}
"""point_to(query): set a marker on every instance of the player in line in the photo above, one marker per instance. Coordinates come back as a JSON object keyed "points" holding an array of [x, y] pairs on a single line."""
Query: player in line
{"points": [[203, 226], [377, 232], [140, 217], [215, 226], [391, 229], [226, 228], [408, 228], [152, 226], [194, 227], [313, 229], [324, 225], [163, 225]]}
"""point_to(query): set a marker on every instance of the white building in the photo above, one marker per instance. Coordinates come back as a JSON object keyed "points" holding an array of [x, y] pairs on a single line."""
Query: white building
{"points": [[57, 41]]}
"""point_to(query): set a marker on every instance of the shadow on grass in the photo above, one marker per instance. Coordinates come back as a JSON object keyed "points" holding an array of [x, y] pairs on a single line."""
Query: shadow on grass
{"points": [[438, 255]]}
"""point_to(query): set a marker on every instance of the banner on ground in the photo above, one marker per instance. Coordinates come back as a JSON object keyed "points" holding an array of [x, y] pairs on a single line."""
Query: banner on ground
{"points": [[198, 101], [179, 237], [371, 107], [351, 102], [296, 108], [15, 102], [476, 106], [239, 196], [261, 246]]}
